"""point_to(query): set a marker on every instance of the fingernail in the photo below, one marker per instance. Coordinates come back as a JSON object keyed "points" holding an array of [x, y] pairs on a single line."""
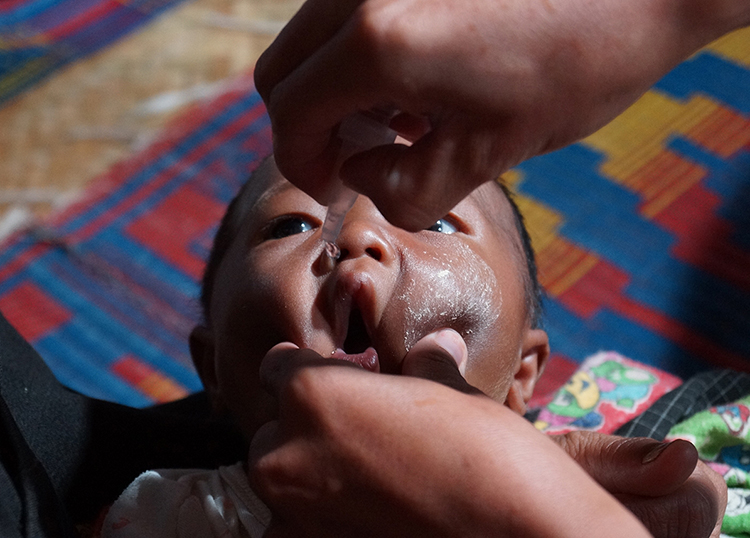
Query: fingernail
{"points": [[654, 452], [454, 345]]}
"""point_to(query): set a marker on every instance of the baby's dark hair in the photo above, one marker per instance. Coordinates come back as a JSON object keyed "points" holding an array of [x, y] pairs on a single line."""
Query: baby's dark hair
{"points": [[533, 289], [225, 234], [236, 211]]}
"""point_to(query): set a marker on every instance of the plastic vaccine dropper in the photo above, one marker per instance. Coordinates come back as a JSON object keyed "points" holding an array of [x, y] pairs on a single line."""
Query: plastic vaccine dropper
{"points": [[359, 132]]}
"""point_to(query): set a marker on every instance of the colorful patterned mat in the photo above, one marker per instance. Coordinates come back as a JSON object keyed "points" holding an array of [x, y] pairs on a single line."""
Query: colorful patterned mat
{"points": [[643, 230], [107, 291], [642, 234], [38, 37]]}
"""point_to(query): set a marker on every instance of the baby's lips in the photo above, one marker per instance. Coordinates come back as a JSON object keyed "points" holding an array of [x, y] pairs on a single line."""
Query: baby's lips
{"points": [[368, 359]]}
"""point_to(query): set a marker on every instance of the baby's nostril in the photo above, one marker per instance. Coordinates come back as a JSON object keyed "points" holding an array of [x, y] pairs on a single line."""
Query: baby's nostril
{"points": [[374, 253]]}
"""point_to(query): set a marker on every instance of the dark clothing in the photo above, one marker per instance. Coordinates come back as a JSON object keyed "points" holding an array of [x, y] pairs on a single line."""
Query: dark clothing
{"points": [[63, 456]]}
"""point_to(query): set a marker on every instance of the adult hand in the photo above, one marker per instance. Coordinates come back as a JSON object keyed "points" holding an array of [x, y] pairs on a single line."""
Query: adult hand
{"points": [[355, 453], [664, 484], [482, 85]]}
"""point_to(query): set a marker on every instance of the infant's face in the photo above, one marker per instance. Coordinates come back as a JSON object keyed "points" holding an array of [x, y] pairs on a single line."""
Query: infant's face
{"points": [[389, 289]]}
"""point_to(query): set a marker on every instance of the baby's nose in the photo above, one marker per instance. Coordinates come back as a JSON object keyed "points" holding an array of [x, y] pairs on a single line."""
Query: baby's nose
{"points": [[365, 242], [365, 233]]}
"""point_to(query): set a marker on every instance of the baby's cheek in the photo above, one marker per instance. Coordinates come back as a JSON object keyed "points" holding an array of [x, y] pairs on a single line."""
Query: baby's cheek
{"points": [[492, 373], [283, 299], [449, 288]]}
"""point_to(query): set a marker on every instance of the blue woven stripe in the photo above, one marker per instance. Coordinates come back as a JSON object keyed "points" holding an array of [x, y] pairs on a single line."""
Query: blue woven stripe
{"points": [[163, 163]]}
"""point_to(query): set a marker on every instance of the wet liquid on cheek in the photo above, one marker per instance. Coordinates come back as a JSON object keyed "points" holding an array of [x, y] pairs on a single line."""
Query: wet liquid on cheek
{"points": [[454, 289]]}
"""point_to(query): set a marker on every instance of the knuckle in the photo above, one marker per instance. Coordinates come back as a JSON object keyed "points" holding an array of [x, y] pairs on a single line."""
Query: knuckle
{"points": [[313, 397], [375, 29], [484, 153], [573, 443], [306, 388], [660, 522], [268, 474], [701, 505], [381, 32], [616, 449], [690, 512], [261, 77], [284, 477], [407, 213], [593, 451], [420, 198]]}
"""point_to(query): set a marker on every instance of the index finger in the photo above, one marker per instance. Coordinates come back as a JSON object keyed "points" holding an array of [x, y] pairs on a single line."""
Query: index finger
{"points": [[637, 466], [285, 360], [310, 28], [307, 99], [352, 63]]}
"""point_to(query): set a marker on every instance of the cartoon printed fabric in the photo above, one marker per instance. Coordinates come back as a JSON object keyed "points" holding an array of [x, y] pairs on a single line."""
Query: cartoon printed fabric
{"points": [[603, 394], [720, 434], [609, 390]]}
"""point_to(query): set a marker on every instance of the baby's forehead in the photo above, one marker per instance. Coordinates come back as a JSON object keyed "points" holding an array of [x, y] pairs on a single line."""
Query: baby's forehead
{"points": [[263, 184], [493, 203]]}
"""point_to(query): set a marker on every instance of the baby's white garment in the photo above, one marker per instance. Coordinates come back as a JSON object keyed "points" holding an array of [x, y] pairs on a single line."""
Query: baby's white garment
{"points": [[188, 503]]}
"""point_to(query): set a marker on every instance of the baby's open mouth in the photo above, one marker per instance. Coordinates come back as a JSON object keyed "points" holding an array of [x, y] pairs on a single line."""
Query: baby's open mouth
{"points": [[357, 347]]}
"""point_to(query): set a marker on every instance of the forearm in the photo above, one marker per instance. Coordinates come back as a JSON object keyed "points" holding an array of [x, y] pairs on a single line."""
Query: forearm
{"points": [[509, 488]]}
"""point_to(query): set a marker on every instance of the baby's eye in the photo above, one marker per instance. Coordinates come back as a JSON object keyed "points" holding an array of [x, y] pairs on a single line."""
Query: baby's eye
{"points": [[443, 226], [286, 226]]}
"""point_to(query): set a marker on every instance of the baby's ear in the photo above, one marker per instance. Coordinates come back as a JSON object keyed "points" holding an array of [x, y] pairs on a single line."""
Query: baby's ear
{"points": [[202, 351], [534, 354]]}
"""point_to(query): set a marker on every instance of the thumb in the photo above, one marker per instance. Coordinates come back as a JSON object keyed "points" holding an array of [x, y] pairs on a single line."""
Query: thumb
{"points": [[636, 466], [440, 356], [413, 186]]}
